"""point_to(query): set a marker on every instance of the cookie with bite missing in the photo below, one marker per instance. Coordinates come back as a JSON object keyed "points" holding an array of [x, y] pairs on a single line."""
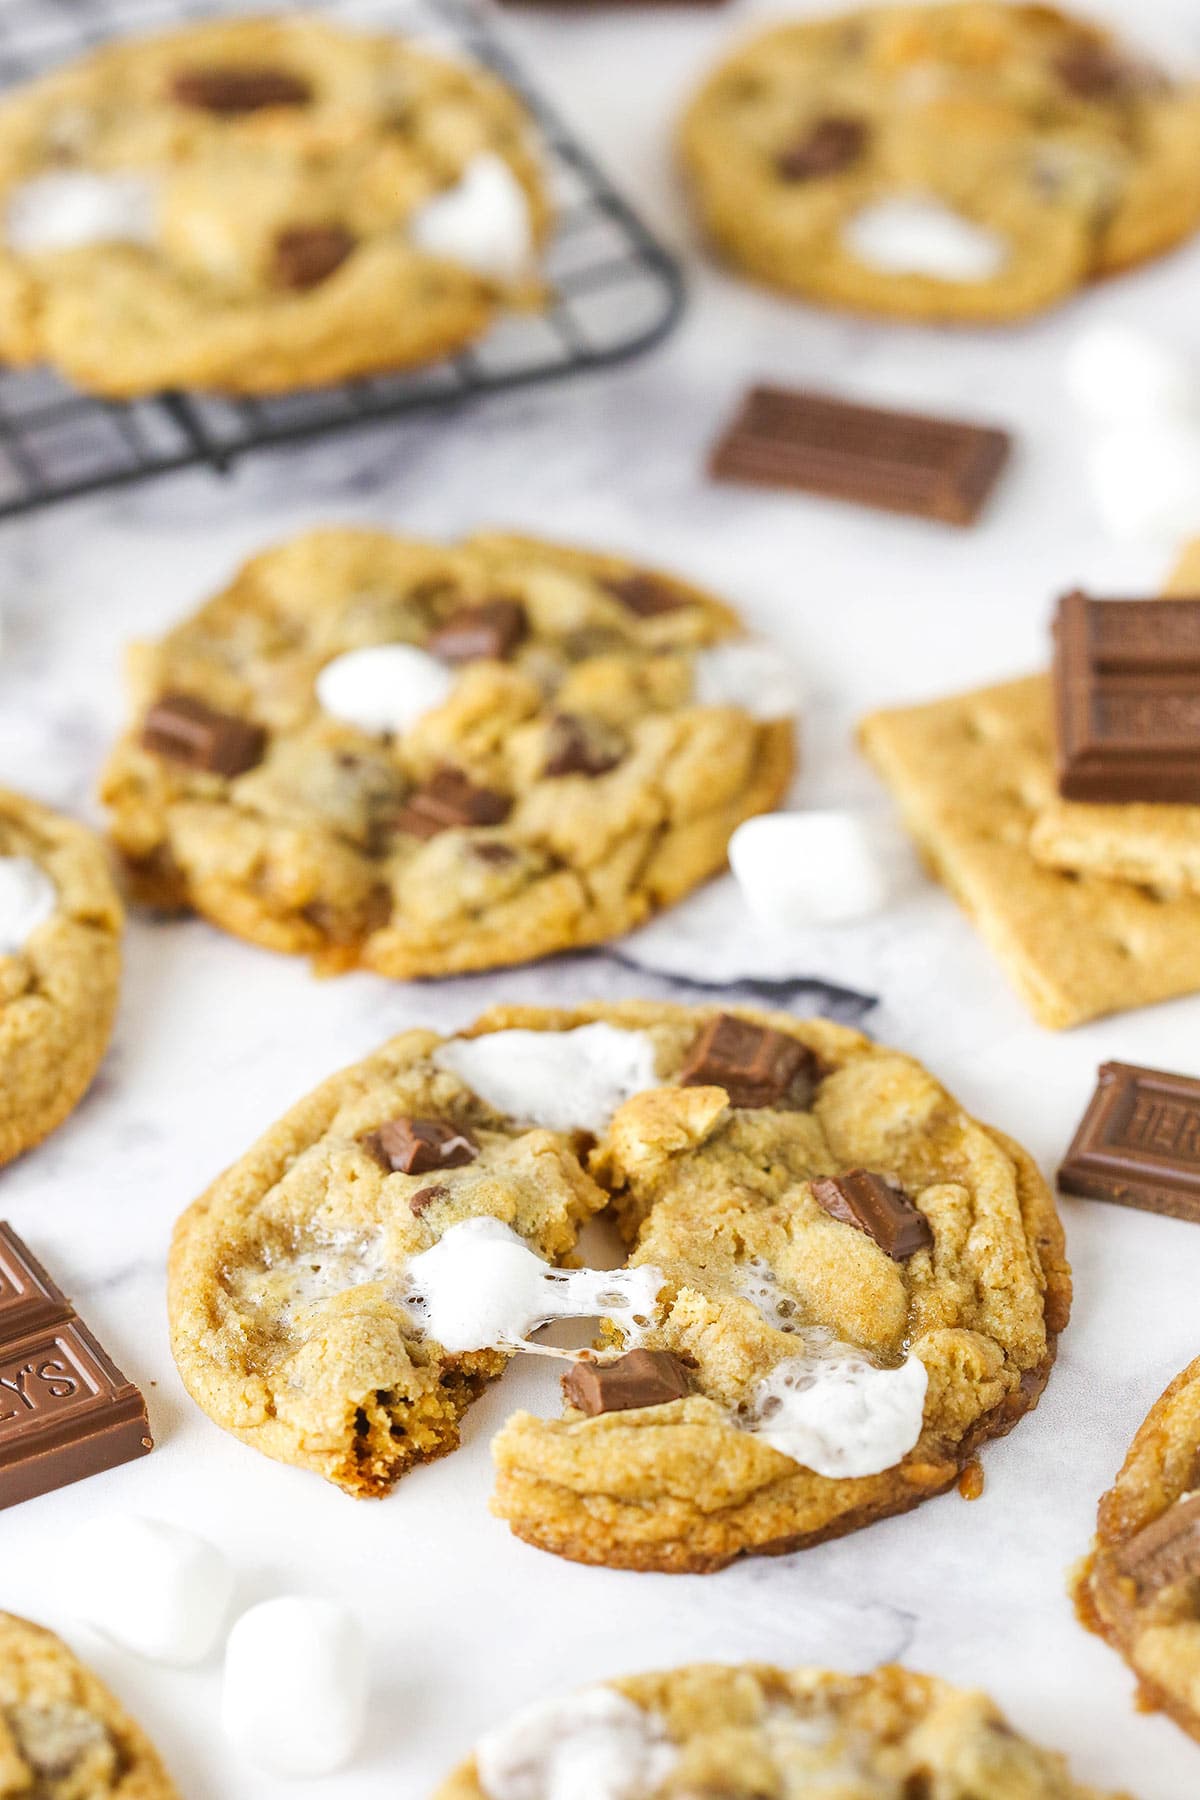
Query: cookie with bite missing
{"points": [[752, 1732], [1140, 1586], [60, 968], [271, 204], [839, 1284], [817, 158], [422, 759], [63, 1735]]}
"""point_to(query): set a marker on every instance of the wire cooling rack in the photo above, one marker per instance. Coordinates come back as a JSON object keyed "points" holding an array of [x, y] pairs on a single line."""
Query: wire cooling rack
{"points": [[615, 291]]}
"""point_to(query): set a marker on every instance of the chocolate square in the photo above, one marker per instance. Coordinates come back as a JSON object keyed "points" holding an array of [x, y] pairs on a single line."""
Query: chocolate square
{"points": [[870, 1203], [755, 1065], [491, 630], [640, 1378], [415, 1146], [189, 731]]}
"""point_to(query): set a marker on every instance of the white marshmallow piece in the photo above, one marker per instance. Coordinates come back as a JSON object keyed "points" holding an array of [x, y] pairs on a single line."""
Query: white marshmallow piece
{"points": [[922, 237], [1116, 374], [748, 673], [594, 1745], [817, 868], [481, 1287], [76, 207], [483, 221], [1146, 479], [383, 687], [155, 1589], [564, 1080], [294, 1700], [838, 1414], [28, 898]]}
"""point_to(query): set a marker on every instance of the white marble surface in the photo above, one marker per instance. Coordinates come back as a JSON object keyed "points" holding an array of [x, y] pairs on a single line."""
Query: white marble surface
{"points": [[216, 1038]]}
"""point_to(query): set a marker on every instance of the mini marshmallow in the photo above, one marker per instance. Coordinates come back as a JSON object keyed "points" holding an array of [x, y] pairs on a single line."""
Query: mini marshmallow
{"points": [[594, 1745], [1146, 479], [28, 898], [483, 221], [481, 1287], [294, 1699], [153, 1588], [1117, 375], [922, 237], [76, 207], [834, 1412], [817, 868], [564, 1080], [383, 687], [747, 673]]}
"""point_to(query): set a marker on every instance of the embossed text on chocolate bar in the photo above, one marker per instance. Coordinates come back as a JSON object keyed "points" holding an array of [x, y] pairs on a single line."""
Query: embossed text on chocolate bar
{"points": [[902, 462], [1127, 699], [1138, 1143]]}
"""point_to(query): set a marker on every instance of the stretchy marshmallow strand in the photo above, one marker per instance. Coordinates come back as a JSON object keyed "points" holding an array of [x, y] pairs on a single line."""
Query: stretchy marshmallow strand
{"points": [[294, 1698], [153, 1588], [28, 898]]}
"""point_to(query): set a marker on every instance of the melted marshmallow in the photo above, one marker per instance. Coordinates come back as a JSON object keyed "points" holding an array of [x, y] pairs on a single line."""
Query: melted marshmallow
{"points": [[595, 1745], [482, 1288], [834, 1412], [482, 221], [28, 898], [564, 1080], [383, 687], [749, 674], [75, 207], [922, 237]]}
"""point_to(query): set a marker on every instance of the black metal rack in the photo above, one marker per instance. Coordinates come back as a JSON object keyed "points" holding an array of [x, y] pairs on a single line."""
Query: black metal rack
{"points": [[615, 292]]}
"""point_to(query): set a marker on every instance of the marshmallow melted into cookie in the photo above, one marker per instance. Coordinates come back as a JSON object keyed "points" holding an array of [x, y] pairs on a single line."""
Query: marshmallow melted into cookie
{"points": [[594, 1743], [564, 1080], [28, 898]]}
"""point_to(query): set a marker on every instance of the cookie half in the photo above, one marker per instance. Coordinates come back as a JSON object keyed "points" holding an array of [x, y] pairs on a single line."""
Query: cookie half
{"points": [[63, 1736], [1139, 1587], [272, 204], [818, 158], [752, 1732], [423, 759], [839, 1284], [60, 968]]}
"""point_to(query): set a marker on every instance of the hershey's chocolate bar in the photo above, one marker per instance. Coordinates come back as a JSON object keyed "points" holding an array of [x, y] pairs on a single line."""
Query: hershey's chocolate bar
{"points": [[1127, 699], [1138, 1143], [902, 462]]}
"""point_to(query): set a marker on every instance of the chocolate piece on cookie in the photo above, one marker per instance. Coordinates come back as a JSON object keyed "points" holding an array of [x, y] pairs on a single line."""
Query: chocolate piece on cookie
{"points": [[491, 630], [871, 1203], [303, 256], [415, 1146], [639, 1378], [449, 800], [231, 89], [579, 746], [1165, 1551], [645, 595], [833, 143], [187, 730], [755, 1066]]}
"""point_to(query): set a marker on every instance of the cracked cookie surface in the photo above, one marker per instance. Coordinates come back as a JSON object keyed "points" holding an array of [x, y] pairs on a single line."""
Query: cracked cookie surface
{"points": [[235, 204], [572, 771], [60, 967], [290, 1306], [63, 1736], [1140, 1587], [816, 155]]}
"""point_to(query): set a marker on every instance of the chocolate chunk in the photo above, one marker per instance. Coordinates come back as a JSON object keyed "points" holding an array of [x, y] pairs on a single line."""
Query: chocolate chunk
{"points": [[645, 595], [1094, 72], [1127, 699], [755, 1066], [448, 800], [493, 629], [498, 855], [303, 256], [186, 730], [832, 144], [1138, 1143], [425, 1197], [66, 1411], [865, 1200], [899, 462], [640, 1378], [576, 746], [415, 1146], [233, 88], [1165, 1551]]}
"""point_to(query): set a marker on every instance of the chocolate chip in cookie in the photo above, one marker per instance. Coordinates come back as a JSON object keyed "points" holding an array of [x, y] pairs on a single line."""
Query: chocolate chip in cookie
{"points": [[449, 800], [491, 630], [231, 89], [410, 1146], [755, 1066], [832, 144], [303, 256], [645, 595], [578, 746], [186, 730], [1165, 1551], [640, 1378], [870, 1203]]}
